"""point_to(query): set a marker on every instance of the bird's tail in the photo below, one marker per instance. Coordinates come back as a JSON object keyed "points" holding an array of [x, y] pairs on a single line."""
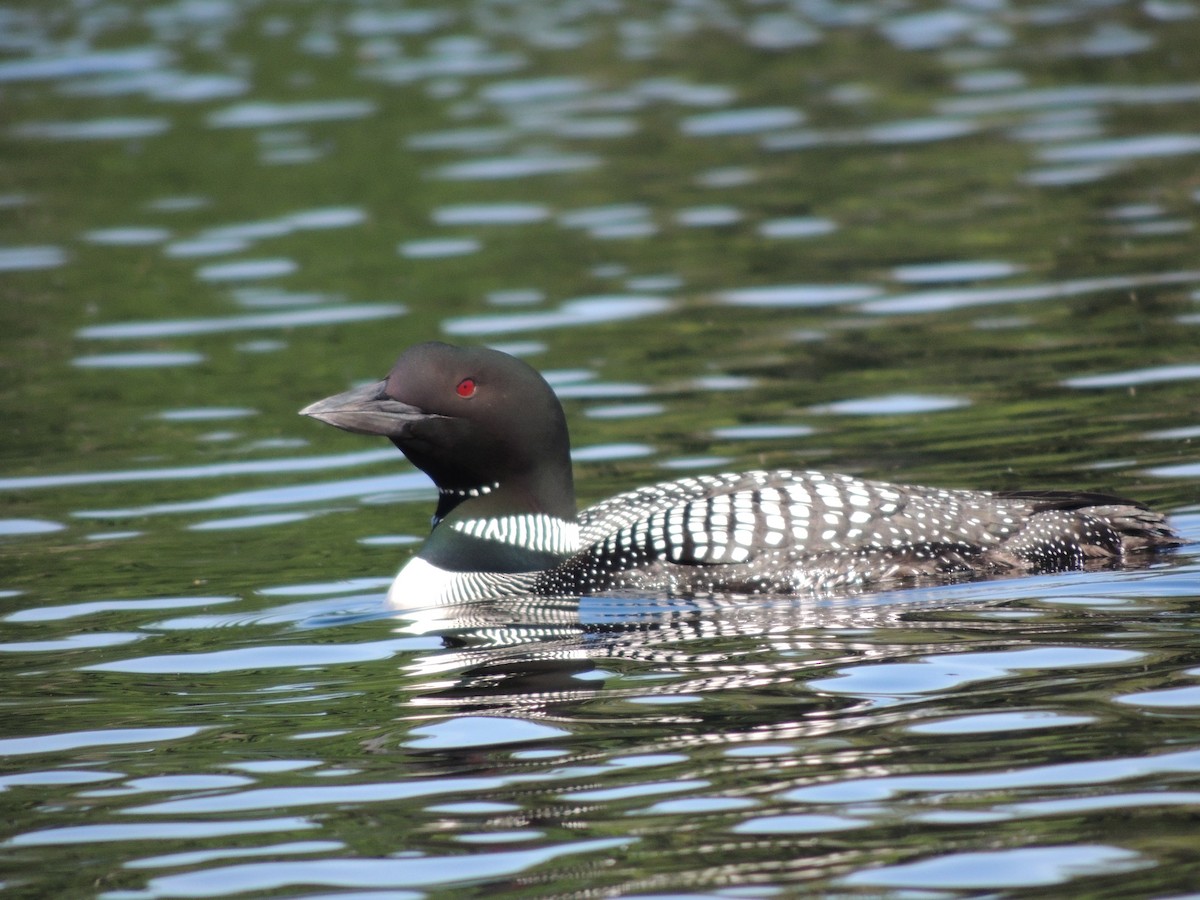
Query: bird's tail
{"points": [[1138, 527]]}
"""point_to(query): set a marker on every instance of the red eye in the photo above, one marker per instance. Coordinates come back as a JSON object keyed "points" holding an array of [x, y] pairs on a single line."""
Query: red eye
{"points": [[466, 387]]}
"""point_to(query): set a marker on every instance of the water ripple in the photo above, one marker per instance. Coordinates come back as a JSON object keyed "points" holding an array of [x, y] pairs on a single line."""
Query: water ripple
{"points": [[941, 300], [273, 656], [491, 214], [18, 527], [989, 723], [998, 869], [799, 295], [919, 131], [446, 66], [74, 65], [572, 313], [72, 642], [109, 129], [460, 139], [371, 874], [481, 731], [150, 359], [1133, 377], [708, 216], [685, 93], [74, 610], [75, 740], [525, 166], [24, 259], [205, 247], [797, 227], [535, 90], [1147, 146], [1072, 96], [407, 485], [798, 823], [439, 248], [957, 669], [1092, 772], [155, 831], [215, 470], [891, 405], [263, 115], [129, 236], [1186, 697], [373, 22], [247, 270], [742, 121], [964, 270], [294, 318], [326, 217]]}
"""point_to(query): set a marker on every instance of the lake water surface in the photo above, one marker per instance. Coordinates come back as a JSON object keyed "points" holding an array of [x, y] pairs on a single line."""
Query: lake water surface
{"points": [[950, 244]]}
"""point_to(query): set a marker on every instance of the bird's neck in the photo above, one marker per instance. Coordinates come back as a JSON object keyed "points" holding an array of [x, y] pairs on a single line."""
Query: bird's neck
{"points": [[546, 491], [504, 527]]}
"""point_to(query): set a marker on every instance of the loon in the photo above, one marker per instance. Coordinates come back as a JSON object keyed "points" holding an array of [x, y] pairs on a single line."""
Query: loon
{"points": [[490, 432]]}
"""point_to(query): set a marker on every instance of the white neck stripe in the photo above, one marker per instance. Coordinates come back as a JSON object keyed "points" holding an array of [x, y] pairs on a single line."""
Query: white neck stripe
{"points": [[471, 492], [540, 532]]}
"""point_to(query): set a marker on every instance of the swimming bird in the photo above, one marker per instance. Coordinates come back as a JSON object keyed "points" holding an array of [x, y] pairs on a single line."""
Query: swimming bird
{"points": [[490, 432]]}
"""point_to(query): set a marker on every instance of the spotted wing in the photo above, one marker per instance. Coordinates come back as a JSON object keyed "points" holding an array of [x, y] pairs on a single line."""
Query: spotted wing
{"points": [[723, 519], [787, 531]]}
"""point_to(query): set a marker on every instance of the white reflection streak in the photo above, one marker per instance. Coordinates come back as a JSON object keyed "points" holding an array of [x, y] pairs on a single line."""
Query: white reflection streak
{"points": [[937, 301], [325, 315], [584, 311], [154, 831], [413, 485], [217, 470]]}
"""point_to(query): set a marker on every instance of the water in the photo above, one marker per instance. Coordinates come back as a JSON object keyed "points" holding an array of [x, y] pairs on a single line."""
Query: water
{"points": [[951, 245]]}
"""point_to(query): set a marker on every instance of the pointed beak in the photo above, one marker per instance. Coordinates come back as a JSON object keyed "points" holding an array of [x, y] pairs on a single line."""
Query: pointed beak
{"points": [[366, 410]]}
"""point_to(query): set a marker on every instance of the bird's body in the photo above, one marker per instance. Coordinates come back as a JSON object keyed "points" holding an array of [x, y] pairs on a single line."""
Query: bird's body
{"points": [[492, 435]]}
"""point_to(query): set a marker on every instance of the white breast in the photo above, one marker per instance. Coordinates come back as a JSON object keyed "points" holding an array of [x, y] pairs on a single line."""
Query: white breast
{"points": [[421, 584]]}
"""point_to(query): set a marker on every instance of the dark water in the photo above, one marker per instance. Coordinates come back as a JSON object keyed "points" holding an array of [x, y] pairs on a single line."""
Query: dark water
{"points": [[944, 244]]}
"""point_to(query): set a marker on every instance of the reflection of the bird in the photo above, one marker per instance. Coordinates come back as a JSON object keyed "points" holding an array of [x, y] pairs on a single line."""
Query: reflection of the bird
{"points": [[531, 655]]}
